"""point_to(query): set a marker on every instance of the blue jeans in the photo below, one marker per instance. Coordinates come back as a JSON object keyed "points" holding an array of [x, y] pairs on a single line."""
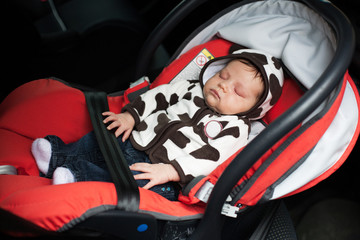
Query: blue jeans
{"points": [[86, 162]]}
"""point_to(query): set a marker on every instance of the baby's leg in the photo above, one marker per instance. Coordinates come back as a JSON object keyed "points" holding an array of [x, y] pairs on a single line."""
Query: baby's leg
{"points": [[63, 175], [65, 163], [77, 161], [41, 150]]}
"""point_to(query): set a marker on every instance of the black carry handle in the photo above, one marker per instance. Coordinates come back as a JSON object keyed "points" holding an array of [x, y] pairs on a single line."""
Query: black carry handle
{"points": [[127, 191]]}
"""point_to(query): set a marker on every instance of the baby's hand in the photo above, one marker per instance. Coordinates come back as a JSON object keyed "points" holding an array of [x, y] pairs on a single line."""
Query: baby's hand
{"points": [[124, 123], [157, 173]]}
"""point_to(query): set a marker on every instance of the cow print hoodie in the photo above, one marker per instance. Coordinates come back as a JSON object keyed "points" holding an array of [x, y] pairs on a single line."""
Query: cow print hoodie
{"points": [[174, 125]]}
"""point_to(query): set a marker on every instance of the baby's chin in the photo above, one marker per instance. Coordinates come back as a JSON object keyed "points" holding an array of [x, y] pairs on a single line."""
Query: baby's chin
{"points": [[210, 105], [215, 109], [220, 111]]}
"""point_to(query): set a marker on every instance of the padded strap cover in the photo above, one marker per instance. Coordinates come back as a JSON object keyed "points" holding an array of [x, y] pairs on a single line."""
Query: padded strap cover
{"points": [[126, 187]]}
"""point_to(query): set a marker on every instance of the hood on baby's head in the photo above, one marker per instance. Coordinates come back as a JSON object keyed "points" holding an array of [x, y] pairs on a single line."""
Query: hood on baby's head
{"points": [[268, 66]]}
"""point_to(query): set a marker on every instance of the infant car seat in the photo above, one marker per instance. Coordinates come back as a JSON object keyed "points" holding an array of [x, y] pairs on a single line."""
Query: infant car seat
{"points": [[301, 141]]}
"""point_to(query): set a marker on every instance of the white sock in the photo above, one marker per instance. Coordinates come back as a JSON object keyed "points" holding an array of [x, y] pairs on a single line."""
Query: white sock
{"points": [[41, 149], [62, 175]]}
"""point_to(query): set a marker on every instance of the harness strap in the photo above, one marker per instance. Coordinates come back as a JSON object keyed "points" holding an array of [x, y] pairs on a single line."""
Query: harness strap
{"points": [[128, 197]]}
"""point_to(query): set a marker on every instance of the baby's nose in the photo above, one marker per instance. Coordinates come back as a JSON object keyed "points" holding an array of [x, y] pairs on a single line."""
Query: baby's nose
{"points": [[224, 86]]}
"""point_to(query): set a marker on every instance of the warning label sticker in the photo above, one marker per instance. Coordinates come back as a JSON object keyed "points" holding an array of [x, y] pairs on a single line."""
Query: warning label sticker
{"points": [[192, 70], [203, 57]]}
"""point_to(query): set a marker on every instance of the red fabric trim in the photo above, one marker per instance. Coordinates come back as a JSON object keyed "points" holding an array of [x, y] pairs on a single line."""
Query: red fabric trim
{"points": [[291, 154], [52, 206], [45, 107], [347, 152]]}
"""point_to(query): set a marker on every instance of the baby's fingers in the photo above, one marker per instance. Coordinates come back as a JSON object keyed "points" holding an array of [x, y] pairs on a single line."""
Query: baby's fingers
{"points": [[111, 117], [140, 167], [108, 113], [120, 131], [113, 125], [145, 176], [149, 185], [125, 136]]}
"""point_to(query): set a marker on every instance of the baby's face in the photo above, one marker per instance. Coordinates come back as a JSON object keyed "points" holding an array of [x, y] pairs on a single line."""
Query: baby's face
{"points": [[234, 89]]}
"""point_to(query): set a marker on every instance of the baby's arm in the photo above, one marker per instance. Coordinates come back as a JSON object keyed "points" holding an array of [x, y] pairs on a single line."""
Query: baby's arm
{"points": [[157, 173], [124, 123]]}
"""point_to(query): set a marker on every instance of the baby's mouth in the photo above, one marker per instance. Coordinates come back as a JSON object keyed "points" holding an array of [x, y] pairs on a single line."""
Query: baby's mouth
{"points": [[215, 93]]}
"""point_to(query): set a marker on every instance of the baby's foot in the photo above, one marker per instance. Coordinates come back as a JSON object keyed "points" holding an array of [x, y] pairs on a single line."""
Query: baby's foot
{"points": [[41, 149], [62, 175]]}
